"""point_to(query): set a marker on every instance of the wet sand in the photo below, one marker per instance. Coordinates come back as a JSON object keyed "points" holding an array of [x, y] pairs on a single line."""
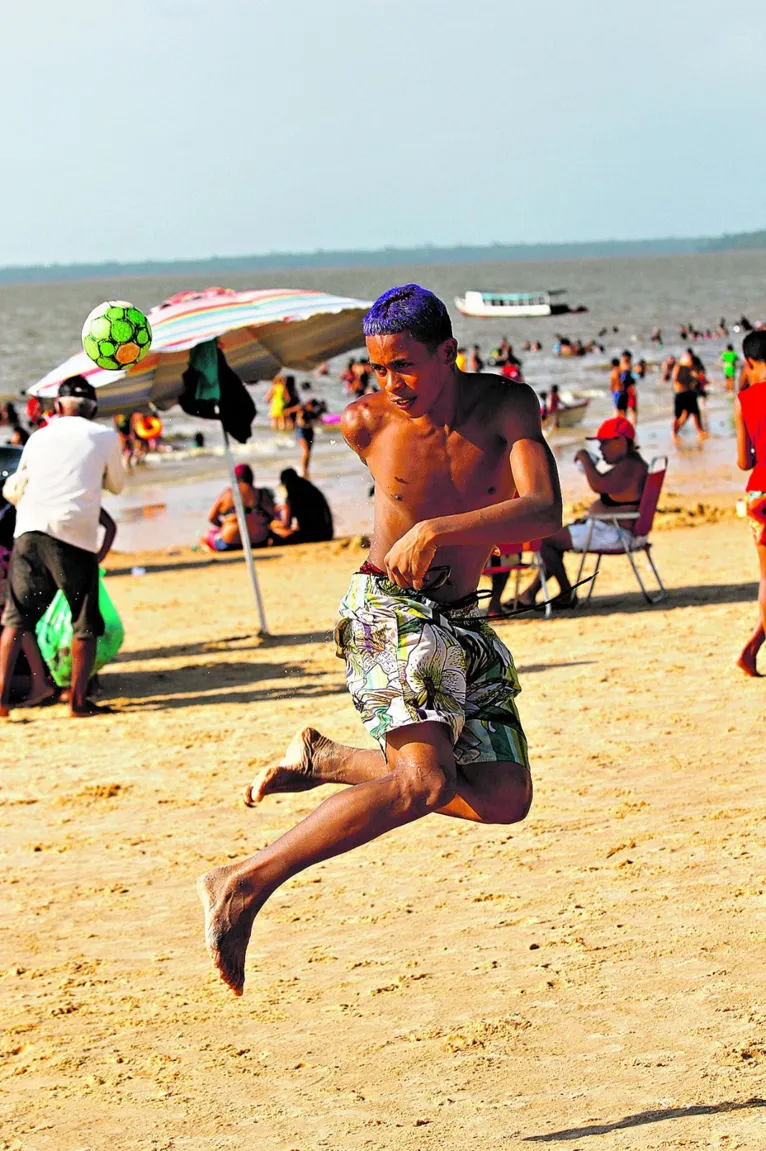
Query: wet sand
{"points": [[590, 978]]}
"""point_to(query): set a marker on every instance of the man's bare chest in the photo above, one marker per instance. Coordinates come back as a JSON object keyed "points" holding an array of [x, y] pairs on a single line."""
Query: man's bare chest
{"points": [[459, 469]]}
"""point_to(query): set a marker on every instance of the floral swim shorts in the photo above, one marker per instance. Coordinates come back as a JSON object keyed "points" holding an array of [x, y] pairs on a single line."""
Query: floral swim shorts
{"points": [[410, 660]]}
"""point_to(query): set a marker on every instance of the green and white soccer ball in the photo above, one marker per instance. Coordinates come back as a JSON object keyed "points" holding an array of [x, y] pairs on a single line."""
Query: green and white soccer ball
{"points": [[116, 335]]}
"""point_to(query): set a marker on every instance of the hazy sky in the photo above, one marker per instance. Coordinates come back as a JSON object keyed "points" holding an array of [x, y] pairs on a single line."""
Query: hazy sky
{"points": [[136, 129]]}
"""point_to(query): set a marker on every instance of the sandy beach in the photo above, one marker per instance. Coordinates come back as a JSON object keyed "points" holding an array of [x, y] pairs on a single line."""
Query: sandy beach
{"points": [[590, 978]]}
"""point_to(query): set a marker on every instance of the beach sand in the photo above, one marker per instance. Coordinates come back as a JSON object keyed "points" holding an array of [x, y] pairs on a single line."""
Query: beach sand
{"points": [[592, 978]]}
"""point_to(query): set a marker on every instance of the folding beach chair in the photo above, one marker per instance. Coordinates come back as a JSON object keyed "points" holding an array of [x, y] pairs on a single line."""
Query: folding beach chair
{"points": [[518, 565], [638, 541]]}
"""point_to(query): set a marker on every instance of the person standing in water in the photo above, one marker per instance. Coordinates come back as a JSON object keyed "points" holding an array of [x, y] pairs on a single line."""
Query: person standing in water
{"points": [[685, 399], [750, 424], [459, 463], [729, 359]]}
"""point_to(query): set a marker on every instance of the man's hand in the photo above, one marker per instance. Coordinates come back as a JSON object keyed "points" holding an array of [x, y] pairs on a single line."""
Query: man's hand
{"points": [[410, 558], [583, 456]]}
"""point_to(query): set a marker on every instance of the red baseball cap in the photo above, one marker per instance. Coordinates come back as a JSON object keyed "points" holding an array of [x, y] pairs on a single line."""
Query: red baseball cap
{"points": [[616, 426]]}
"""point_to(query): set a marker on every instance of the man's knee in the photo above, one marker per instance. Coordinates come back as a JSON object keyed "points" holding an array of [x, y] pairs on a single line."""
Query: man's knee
{"points": [[423, 765], [423, 788], [519, 803], [510, 803]]}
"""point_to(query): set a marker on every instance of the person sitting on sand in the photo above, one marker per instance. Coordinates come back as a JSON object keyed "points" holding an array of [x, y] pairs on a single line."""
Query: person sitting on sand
{"points": [[258, 503], [618, 489], [305, 515], [750, 424]]}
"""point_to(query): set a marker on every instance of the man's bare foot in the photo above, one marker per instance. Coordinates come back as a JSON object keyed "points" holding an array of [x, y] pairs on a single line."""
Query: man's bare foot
{"points": [[35, 698], [294, 773], [229, 915], [747, 663], [89, 709]]}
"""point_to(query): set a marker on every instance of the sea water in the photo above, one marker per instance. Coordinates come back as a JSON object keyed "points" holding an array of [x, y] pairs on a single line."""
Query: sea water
{"points": [[165, 502]]}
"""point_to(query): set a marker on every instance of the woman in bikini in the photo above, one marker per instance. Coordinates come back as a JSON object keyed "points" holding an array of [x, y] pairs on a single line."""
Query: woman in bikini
{"points": [[259, 512]]}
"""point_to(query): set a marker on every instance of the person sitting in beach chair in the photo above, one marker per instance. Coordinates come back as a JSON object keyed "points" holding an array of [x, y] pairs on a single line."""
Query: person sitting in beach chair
{"points": [[618, 488]]}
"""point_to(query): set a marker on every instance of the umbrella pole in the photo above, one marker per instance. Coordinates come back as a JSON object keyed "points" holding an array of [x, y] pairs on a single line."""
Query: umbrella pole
{"points": [[244, 534]]}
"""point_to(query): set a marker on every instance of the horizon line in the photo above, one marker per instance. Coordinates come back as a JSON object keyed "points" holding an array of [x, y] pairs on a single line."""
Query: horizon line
{"points": [[389, 254]]}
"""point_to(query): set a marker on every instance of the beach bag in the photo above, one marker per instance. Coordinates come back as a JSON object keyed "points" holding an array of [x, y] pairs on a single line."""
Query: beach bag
{"points": [[54, 635]]}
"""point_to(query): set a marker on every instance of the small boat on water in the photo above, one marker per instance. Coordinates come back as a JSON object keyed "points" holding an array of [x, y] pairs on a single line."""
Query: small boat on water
{"points": [[513, 305], [571, 413]]}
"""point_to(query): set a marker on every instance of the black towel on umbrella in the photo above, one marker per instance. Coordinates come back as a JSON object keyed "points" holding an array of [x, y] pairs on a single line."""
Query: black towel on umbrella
{"points": [[212, 391]]}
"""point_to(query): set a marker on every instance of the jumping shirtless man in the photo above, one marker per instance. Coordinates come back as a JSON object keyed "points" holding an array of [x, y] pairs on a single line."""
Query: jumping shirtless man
{"points": [[459, 463]]}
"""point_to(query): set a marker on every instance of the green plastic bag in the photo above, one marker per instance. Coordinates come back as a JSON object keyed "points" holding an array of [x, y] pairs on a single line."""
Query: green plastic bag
{"points": [[54, 635]]}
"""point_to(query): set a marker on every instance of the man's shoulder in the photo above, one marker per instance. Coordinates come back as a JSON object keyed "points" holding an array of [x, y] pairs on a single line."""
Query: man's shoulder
{"points": [[97, 430], [362, 418], [368, 408], [97, 433], [73, 433], [488, 391]]}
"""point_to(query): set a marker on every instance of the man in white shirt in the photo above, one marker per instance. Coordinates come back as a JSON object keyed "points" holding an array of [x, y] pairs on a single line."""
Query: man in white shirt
{"points": [[57, 493]]}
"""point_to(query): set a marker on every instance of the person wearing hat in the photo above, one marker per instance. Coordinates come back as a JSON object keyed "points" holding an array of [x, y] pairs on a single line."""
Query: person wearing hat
{"points": [[618, 488], [57, 493]]}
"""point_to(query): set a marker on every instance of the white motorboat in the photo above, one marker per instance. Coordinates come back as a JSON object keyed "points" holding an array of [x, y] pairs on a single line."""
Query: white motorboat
{"points": [[513, 305]]}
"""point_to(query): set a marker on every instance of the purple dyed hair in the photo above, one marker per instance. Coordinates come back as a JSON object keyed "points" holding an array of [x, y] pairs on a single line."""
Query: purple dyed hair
{"points": [[412, 309]]}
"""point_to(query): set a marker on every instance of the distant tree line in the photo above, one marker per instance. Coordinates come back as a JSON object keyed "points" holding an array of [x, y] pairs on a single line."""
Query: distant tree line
{"points": [[384, 257]]}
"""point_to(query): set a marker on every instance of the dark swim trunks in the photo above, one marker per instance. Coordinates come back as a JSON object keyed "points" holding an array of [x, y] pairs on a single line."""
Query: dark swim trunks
{"points": [[39, 566]]}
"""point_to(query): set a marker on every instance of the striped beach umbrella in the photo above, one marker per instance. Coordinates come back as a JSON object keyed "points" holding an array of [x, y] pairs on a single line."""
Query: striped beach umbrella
{"points": [[259, 332]]}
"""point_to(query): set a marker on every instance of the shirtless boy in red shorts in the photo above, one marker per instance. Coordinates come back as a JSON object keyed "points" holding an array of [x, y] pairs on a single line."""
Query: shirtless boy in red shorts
{"points": [[459, 463]]}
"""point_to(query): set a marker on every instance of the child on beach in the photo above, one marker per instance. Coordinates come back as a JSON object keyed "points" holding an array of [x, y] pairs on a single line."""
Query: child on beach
{"points": [[750, 424], [459, 463]]}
